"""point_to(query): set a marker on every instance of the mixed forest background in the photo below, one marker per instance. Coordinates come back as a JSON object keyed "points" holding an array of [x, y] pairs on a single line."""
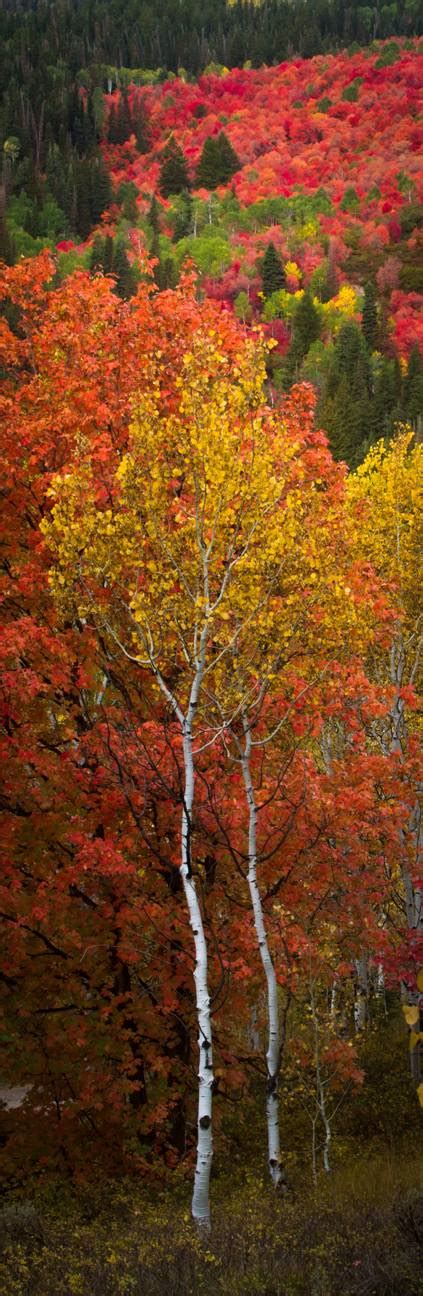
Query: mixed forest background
{"points": [[263, 179]]}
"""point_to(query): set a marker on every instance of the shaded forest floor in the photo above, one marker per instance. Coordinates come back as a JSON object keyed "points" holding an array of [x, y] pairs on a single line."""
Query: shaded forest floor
{"points": [[360, 1235], [357, 1232]]}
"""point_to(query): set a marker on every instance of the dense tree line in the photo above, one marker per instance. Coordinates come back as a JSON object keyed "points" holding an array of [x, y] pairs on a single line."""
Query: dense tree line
{"points": [[189, 34], [47, 52], [55, 184]]}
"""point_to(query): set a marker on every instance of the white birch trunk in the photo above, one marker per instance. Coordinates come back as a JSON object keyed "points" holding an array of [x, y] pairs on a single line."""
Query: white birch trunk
{"points": [[201, 1192], [320, 1096], [328, 1132], [273, 1043]]}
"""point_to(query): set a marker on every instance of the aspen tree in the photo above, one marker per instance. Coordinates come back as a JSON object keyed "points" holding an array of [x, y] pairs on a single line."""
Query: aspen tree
{"points": [[154, 571]]}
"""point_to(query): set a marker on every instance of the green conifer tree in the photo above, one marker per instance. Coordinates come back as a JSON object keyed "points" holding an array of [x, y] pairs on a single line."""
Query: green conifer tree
{"points": [[350, 355], [386, 399], [141, 128], [101, 190], [369, 316], [330, 417], [208, 170], [96, 262], [306, 330], [108, 255], [55, 173], [122, 269], [77, 124], [174, 176], [348, 423], [70, 197], [183, 219], [98, 110], [413, 388], [83, 219], [272, 271], [153, 215], [112, 125], [349, 411], [7, 246], [229, 161]]}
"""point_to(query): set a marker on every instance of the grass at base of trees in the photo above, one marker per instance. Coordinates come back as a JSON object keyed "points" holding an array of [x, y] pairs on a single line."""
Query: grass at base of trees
{"points": [[358, 1234]]}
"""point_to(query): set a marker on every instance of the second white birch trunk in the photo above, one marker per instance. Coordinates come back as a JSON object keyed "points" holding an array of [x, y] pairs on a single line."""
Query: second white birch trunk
{"points": [[273, 1043]]}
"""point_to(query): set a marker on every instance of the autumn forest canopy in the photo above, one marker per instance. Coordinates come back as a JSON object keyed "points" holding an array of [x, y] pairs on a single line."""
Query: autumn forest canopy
{"points": [[211, 960]]}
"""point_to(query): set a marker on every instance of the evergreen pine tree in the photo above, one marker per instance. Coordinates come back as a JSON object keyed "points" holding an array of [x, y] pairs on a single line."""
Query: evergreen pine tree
{"points": [[183, 221], [112, 125], [350, 349], [153, 215], [101, 189], [307, 327], [348, 423], [77, 123], [272, 271], [125, 278], [218, 162], [174, 176], [369, 316], [329, 415], [97, 254], [55, 173], [141, 128], [229, 162], [361, 382], [307, 324], [7, 247], [108, 254], [385, 406], [350, 411], [413, 388], [98, 110], [208, 169], [83, 221], [70, 197]]}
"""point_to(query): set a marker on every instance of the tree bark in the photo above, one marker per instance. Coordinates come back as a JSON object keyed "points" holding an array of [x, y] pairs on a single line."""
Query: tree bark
{"points": [[201, 1193], [273, 1041]]}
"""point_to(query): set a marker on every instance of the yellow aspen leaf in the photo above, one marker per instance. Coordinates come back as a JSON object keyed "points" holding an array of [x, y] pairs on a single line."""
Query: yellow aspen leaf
{"points": [[411, 1014]]}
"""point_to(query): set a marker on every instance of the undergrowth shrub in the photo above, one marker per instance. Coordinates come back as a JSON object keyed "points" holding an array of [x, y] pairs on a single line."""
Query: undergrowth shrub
{"points": [[353, 1237]]}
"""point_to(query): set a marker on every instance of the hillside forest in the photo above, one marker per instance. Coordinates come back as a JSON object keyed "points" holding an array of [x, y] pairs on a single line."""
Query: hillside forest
{"points": [[264, 180], [211, 959]]}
